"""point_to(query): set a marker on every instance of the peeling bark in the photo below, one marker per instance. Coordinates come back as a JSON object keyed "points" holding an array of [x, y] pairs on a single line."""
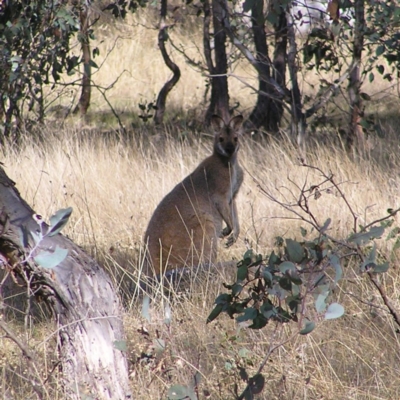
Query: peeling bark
{"points": [[79, 293]]}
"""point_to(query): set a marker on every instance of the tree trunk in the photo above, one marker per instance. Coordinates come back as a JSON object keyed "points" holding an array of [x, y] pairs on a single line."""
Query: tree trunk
{"points": [[79, 293], [260, 116], [268, 109], [355, 132], [84, 100], [168, 86], [219, 102], [297, 115]]}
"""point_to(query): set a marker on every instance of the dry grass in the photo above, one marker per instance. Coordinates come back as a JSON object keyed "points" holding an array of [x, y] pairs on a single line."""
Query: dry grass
{"points": [[115, 184]]}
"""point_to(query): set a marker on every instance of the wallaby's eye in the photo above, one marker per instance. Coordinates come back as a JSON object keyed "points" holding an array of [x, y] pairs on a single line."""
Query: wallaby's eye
{"points": [[235, 139], [221, 139]]}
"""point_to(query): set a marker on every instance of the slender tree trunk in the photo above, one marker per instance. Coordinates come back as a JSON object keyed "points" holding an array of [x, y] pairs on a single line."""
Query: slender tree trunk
{"points": [[84, 100], [79, 293], [260, 116], [280, 64], [268, 109], [298, 117], [168, 86], [219, 102], [356, 134]]}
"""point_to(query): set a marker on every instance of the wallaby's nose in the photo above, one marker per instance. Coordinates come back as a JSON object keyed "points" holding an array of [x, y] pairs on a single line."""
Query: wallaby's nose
{"points": [[230, 148]]}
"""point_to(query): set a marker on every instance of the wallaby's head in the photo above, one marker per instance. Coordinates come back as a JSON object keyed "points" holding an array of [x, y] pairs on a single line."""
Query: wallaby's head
{"points": [[226, 140]]}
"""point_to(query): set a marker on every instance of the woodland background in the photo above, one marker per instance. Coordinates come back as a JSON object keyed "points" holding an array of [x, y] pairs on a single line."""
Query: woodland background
{"points": [[84, 125]]}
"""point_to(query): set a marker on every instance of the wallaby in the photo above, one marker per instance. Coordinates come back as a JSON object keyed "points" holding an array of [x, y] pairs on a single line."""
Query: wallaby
{"points": [[186, 225]]}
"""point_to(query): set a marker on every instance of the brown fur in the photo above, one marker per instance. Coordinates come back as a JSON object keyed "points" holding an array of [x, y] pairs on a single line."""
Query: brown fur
{"points": [[188, 221]]}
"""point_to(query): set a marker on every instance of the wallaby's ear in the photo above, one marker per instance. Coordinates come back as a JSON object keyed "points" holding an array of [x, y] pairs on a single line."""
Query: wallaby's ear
{"points": [[217, 123], [236, 122]]}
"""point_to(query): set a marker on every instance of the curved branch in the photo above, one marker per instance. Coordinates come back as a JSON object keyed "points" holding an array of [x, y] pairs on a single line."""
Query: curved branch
{"points": [[168, 86]]}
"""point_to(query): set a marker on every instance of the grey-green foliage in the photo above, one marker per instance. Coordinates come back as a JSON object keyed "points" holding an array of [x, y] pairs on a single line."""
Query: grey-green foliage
{"points": [[34, 46], [183, 392], [51, 258], [277, 287], [329, 47]]}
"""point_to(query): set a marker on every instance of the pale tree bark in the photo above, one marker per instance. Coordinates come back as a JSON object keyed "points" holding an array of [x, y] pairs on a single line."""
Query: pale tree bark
{"points": [[84, 100], [356, 135], [81, 296]]}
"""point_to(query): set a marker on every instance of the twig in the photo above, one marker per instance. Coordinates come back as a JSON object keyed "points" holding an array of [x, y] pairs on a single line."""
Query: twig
{"points": [[271, 349]]}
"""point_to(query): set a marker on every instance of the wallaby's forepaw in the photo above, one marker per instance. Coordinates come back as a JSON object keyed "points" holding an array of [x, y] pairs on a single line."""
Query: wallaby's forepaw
{"points": [[225, 232], [230, 240]]}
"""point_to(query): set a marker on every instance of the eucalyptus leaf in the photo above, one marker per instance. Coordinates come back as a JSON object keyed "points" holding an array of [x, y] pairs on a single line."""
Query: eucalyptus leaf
{"points": [[308, 327], [294, 250], [178, 392], [320, 304], [381, 267], [287, 266], [335, 262], [214, 313], [50, 260], [362, 237], [249, 314], [59, 220], [335, 310], [120, 345]]}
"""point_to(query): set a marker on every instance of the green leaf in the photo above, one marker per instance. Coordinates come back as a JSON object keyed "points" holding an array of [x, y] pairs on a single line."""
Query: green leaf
{"points": [[120, 345], [363, 237], [242, 273], [320, 304], [335, 310], [267, 275], [287, 266], [249, 314], [248, 5], [50, 260], [146, 308], [308, 327], [326, 225], [178, 392], [256, 384], [58, 221], [365, 96], [335, 262], [214, 313], [244, 353], [228, 366], [380, 50], [380, 268], [285, 283], [294, 250], [371, 77], [93, 64], [303, 231]]}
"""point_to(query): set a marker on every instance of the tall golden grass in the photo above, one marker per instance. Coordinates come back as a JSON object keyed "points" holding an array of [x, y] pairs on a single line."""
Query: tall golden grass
{"points": [[114, 183]]}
